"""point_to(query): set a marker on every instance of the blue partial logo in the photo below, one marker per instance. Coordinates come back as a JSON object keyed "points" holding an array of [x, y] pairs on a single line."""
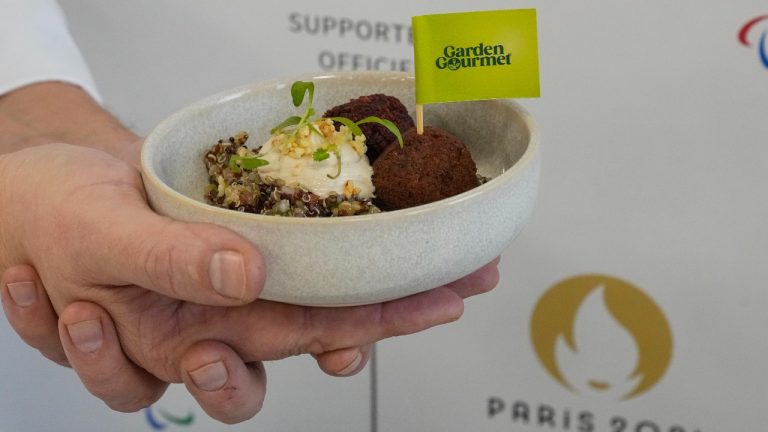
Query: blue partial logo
{"points": [[162, 419]]}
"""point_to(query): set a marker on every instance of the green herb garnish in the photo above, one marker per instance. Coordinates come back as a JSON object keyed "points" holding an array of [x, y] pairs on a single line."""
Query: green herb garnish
{"points": [[353, 127], [301, 90], [290, 121], [324, 153], [239, 163], [321, 154], [337, 152], [387, 124]]}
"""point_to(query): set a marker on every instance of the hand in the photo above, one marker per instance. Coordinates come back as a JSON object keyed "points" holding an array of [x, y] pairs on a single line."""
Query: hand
{"points": [[144, 300]]}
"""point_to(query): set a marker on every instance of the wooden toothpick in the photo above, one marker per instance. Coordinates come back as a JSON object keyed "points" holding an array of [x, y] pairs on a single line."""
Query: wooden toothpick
{"points": [[420, 119]]}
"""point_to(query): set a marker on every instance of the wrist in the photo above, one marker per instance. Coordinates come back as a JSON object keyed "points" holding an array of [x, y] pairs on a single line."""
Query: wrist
{"points": [[58, 112]]}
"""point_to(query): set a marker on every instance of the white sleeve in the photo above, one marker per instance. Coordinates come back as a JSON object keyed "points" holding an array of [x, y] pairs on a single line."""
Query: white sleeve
{"points": [[35, 46]]}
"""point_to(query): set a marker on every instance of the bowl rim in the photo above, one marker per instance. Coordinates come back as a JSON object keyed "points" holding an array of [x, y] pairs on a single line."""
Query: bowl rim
{"points": [[149, 175]]}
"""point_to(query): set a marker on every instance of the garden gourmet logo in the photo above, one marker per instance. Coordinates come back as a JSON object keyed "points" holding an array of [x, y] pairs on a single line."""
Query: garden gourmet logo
{"points": [[599, 335], [762, 41], [480, 55], [165, 419]]}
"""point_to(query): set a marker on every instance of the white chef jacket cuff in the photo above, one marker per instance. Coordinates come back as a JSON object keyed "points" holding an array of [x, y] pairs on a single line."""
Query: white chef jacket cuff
{"points": [[35, 46]]}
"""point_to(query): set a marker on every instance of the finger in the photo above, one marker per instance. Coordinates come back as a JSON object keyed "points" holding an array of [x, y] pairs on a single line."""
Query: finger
{"points": [[30, 313], [480, 281], [226, 388], [295, 330], [201, 263], [90, 341], [344, 362], [121, 241], [327, 329]]}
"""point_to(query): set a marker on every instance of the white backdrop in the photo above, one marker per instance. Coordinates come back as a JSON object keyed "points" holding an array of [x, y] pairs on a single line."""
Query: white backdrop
{"points": [[654, 134]]}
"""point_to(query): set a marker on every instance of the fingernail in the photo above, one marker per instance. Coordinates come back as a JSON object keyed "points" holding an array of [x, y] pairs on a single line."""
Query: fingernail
{"points": [[210, 377], [23, 294], [353, 365], [87, 336], [227, 272]]}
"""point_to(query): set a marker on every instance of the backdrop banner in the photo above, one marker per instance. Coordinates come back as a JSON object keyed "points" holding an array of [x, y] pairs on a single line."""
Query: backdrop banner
{"points": [[634, 301]]}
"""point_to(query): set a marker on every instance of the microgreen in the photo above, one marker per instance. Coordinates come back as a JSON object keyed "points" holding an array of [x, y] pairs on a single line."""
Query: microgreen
{"points": [[324, 153], [387, 124], [353, 127], [239, 163], [306, 89], [290, 121], [337, 152], [321, 154], [301, 90]]}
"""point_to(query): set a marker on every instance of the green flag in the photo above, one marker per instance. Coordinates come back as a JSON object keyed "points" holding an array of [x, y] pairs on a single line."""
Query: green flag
{"points": [[476, 55]]}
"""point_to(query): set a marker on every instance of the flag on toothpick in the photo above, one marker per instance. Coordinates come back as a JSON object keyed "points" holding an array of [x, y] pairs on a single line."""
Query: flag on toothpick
{"points": [[475, 55]]}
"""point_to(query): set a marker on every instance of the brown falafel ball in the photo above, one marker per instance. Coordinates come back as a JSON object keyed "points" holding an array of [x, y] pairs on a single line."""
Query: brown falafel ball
{"points": [[430, 167], [377, 137]]}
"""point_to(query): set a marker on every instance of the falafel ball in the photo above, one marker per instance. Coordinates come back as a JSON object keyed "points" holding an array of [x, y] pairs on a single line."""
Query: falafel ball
{"points": [[428, 168], [377, 137]]}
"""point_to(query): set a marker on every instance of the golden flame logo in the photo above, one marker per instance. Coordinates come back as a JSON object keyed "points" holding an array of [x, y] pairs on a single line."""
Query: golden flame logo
{"points": [[600, 334]]}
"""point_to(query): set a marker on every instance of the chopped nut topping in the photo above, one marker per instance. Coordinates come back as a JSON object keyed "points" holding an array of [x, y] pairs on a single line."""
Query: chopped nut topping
{"points": [[350, 190]]}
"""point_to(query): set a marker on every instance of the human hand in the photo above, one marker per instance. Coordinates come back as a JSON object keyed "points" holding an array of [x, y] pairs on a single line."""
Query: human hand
{"points": [[173, 308]]}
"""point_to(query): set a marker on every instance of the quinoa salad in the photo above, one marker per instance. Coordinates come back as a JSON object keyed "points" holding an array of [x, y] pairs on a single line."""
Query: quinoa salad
{"points": [[249, 191], [352, 161]]}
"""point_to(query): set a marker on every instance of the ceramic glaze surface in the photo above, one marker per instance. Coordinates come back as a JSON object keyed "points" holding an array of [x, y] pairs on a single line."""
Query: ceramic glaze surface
{"points": [[358, 259]]}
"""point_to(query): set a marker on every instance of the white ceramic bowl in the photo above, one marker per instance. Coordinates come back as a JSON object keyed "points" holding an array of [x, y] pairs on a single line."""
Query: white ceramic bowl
{"points": [[358, 259]]}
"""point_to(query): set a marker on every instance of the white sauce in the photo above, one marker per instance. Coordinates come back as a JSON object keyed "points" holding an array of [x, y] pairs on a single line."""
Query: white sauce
{"points": [[314, 175]]}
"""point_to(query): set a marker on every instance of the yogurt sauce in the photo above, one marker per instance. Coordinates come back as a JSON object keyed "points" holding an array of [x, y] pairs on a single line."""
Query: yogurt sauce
{"points": [[291, 159]]}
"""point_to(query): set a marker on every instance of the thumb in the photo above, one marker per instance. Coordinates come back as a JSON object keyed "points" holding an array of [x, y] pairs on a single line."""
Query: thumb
{"points": [[201, 263], [130, 153]]}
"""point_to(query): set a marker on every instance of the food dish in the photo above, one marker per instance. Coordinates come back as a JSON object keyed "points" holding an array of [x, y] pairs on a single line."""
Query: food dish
{"points": [[428, 168], [380, 105], [367, 258], [321, 167], [296, 178]]}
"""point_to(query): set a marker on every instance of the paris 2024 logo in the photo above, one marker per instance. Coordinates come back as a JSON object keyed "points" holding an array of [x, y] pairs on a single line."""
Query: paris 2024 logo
{"points": [[601, 336]]}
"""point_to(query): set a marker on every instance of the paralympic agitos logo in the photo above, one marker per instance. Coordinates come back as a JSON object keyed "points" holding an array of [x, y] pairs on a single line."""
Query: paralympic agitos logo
{"points": [[746, 37], [165, 418], [454, 58]]}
